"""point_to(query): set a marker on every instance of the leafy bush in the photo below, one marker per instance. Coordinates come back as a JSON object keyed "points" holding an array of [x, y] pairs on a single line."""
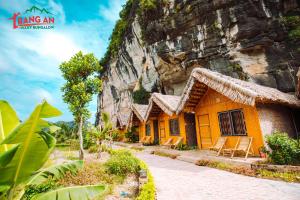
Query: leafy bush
{"points": [[293, 25], [115, 136], [141, 96], [147, 191], [284, 150], [122, 162], [131, 135], [93, 149]]}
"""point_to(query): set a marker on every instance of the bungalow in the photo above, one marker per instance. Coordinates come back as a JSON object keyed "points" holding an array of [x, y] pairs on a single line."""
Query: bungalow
{"points": [[225, 106], [161, 120], [122, 122], [136, 119]]}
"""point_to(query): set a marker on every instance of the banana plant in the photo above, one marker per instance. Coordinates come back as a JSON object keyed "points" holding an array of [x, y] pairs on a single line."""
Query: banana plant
{"points": [[30, 147], [73, 193], [9, 118], [56, 172]]}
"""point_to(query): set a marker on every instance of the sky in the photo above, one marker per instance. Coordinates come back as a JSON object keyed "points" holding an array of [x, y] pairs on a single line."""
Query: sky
{"points": [[30, 59]]}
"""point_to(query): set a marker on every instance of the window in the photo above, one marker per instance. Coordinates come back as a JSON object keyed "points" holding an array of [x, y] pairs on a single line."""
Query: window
{"points": [[148, 130], [232, 123], [174, 127]]}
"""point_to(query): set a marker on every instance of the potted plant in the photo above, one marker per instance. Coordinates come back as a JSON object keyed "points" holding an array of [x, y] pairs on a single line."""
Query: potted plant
{"points": [[262, 152]]}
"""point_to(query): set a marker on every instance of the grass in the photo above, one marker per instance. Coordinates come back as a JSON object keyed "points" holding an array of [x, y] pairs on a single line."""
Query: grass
{"points": [[91, 174], [137, 148], [285, 176], [165, 154], [262, 173]]}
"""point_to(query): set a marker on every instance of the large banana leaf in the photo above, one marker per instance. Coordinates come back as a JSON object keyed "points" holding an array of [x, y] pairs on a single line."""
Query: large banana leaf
{"points": [[56, 171], [73, 193], [33, 147], [8, 121]]}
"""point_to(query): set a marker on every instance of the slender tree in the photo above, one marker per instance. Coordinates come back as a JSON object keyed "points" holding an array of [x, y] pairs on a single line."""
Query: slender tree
{"points": [[82, 82]]}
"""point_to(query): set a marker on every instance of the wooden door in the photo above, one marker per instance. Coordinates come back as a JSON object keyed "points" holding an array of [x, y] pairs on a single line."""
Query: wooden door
{"points": [[190, 129], [204, 129], [162, 132], [156, 134]]}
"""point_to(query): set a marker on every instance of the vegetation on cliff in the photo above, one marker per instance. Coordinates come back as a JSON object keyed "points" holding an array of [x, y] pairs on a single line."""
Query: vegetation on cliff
{"points": [[127, 15]]}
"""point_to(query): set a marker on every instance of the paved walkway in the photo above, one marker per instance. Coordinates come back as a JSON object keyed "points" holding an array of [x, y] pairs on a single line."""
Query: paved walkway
{"points": [[178, 180]]}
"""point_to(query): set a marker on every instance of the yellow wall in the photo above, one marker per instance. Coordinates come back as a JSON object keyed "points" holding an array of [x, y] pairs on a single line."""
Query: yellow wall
{"points": [[212, 103], [122, 133]]}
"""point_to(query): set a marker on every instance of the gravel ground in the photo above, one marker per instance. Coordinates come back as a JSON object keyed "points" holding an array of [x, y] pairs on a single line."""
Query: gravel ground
{"points": [[178, 180]]}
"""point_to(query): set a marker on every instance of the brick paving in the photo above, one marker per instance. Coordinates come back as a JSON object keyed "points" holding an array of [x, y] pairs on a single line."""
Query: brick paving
{"points": [[178, 180]]}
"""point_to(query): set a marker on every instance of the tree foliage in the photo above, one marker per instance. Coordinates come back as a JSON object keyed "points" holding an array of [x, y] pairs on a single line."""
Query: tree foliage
{"points": [[81, 82]]}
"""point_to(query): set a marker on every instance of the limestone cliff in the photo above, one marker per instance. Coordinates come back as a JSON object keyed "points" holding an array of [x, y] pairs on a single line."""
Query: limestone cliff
{"points": [[246, 39]]}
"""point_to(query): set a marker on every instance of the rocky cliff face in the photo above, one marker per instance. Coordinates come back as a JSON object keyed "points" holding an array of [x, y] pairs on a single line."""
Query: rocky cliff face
{"points": [[245, 39]]}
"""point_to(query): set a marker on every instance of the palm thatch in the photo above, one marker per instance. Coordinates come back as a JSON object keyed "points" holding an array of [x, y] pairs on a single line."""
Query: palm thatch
{"points": [[123, 119], [139, 110], [137, 114], [159, 102], [237, 90]]}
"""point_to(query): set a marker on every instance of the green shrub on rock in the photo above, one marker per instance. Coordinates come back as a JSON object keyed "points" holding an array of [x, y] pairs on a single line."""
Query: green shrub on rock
{"points": [[284, 150]]}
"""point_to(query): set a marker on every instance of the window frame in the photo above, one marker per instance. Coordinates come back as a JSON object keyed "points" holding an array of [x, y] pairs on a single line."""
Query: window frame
{"points": [[233, 131], [146, 129], [170, 132]]}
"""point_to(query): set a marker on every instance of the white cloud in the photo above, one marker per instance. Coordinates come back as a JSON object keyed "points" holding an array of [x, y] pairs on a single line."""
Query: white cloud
{"points": [[42, 94], [111, 12], [14, 5], [58, 10]]}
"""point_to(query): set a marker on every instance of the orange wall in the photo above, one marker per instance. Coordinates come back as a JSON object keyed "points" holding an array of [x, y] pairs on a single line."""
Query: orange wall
{"points": [[163, 120], [212, 103], [141, 130]]}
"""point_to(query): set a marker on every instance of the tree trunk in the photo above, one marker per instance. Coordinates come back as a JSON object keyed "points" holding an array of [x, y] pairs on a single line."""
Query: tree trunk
{"points": [[81, 153]]}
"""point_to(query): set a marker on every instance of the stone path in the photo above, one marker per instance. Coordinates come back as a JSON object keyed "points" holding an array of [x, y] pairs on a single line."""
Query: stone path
{"points": [[178, 180]]}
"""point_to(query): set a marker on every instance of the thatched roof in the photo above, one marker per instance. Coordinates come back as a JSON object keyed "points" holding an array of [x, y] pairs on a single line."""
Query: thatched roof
{"points": [[237, 90], [159, 102], [139, 110], [123, 118]]}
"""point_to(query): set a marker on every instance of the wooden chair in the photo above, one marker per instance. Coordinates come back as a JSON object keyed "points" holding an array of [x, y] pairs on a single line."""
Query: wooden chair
{"points": [[142, 139], [219, 145], [177, 143], [147, 140], [168, 143], [244, 144]]}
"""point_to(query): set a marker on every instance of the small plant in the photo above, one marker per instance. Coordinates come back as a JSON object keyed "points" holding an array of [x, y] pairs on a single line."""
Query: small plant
{"points": [[184, 147], [122, 162], [131, 135], [284, 150]]}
